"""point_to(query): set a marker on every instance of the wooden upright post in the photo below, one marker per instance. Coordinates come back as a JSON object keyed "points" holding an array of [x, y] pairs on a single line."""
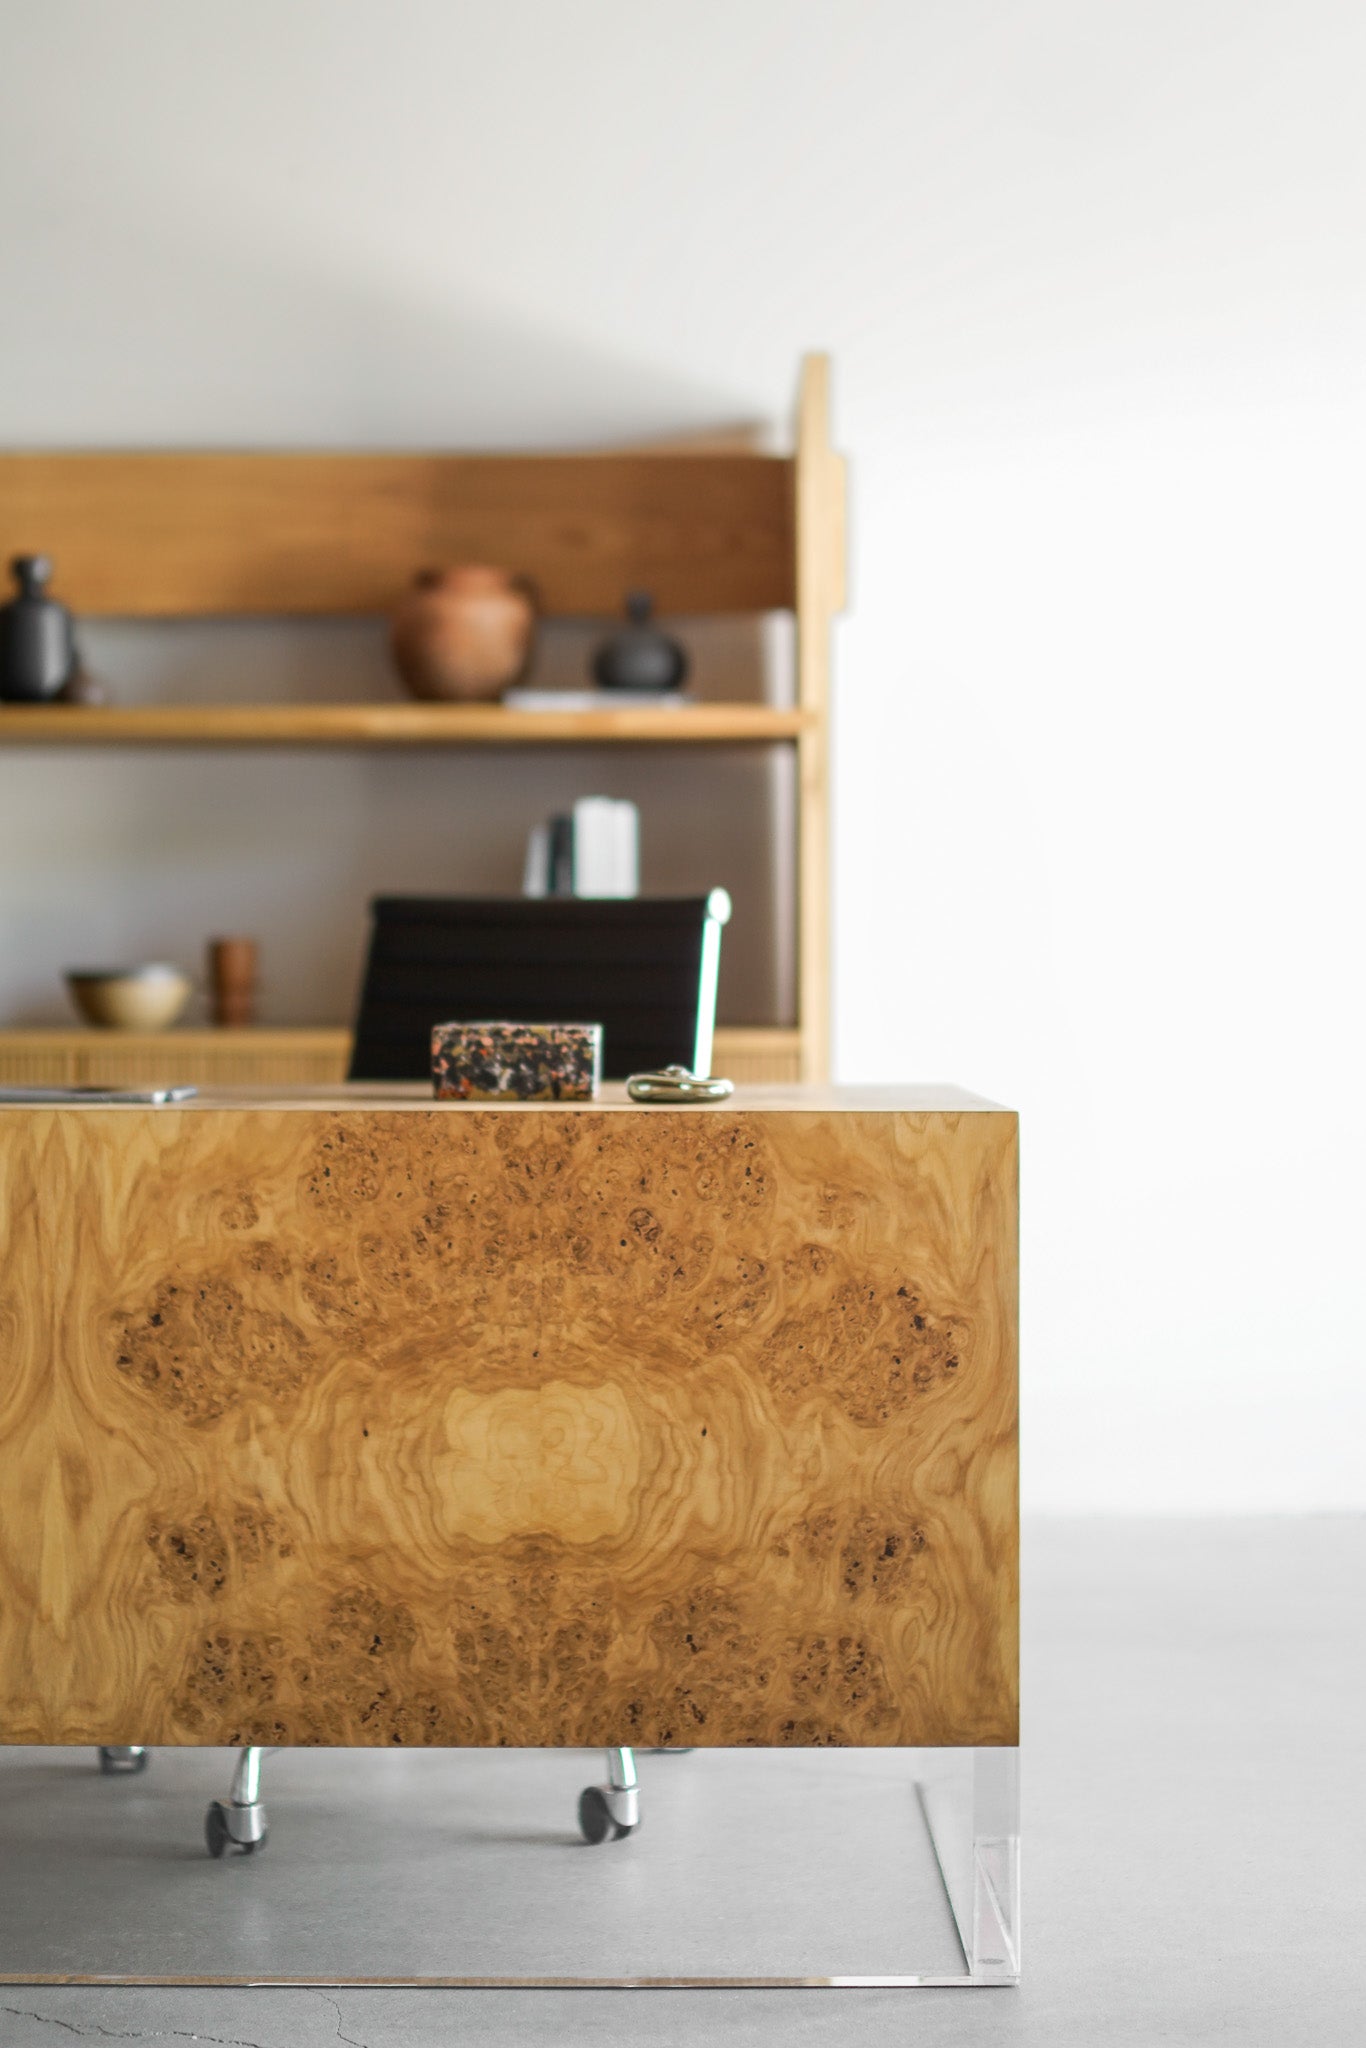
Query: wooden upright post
{"points": [[820, 488]]}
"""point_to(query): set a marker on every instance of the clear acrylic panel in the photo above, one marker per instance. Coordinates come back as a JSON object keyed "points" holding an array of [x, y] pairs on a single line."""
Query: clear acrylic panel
{"points": [[972, 1811], [752, 1866]]}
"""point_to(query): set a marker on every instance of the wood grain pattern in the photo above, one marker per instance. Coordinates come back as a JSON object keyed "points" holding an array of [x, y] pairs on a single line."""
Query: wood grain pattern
{"points": [[224, 1057], [183, 535], [392, 725], [471, 1427]]}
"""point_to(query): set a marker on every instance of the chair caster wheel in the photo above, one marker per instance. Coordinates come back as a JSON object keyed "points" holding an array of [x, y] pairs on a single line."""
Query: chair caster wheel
{"points": [[224, 1828], [216, 1834], [122, 1761], [596, 1819]]}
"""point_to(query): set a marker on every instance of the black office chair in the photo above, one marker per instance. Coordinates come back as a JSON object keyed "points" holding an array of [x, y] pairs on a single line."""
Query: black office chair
{"points": [[644, 968]]}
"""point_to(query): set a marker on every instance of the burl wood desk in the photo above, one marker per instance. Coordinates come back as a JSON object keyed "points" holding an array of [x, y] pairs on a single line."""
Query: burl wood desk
{"points": [[349, 1418]]}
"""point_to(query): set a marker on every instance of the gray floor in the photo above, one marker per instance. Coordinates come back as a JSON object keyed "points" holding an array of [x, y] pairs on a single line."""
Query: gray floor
{"points": [[1195, 1772], [470, 1863]]}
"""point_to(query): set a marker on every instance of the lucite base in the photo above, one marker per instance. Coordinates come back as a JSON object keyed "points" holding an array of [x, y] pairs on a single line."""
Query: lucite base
{"points": [[821, 1868], [971, 1803]]}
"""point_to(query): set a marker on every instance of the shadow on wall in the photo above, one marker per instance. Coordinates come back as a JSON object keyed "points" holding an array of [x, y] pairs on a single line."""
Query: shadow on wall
{"points": [[228, 343], [220, 340], [219, 343], [117, 856]]}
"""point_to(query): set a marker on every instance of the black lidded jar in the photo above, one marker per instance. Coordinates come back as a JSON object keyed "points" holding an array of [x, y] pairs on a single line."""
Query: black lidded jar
{"points": [[640, 656], [37, 639]]}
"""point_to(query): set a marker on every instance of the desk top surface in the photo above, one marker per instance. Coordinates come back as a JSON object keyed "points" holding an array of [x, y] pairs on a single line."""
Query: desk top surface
{"points": [[748, 1099]]}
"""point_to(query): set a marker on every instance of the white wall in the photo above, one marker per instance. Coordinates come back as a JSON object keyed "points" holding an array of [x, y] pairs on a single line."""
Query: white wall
{"points": [[1092, 275]]}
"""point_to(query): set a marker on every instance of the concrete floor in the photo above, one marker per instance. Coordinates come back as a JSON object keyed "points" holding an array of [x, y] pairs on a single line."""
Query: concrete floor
{"points": [[1195, 1777], [470, 1863]]}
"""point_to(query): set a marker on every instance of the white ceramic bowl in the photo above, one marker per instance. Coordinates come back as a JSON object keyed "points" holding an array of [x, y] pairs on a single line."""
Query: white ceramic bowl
{"points": [[130, 998]]}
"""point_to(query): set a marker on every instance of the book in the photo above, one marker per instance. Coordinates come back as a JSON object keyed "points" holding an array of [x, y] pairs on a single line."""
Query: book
{"points": [[593, 700], [606, 847], [536, 868], [593, 850], [560, 865]]}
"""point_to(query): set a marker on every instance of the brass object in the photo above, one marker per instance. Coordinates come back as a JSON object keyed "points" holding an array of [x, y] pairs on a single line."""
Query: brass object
{"points": [[678, 1084]]}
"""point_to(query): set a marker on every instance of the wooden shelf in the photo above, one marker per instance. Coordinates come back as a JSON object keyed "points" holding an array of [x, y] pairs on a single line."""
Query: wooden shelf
{"points": [[75, 1055], [57, 1056], [392, 725], [185, 534]]}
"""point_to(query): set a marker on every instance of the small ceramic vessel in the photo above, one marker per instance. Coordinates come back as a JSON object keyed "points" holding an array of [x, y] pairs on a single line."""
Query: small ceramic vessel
{"points": [[462, 635], [640, 657], [37, 639], [148, 998]]}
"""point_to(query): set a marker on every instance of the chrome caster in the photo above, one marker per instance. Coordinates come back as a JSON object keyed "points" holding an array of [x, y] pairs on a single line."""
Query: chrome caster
{"points": [[244, 1827], [239, 1821], [607, 1812], [122, 1760]]}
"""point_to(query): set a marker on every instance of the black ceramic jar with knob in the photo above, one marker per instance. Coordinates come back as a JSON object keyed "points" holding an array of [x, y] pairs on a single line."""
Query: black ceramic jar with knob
{"points": [[640, 657], [37, 640]]}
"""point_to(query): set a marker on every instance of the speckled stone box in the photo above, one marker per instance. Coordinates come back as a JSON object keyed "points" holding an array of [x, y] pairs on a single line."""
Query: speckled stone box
{"points": [[529, 1062]]}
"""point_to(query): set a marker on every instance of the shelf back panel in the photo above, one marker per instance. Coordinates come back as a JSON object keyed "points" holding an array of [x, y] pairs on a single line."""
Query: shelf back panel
{"points": [[214, 535]]}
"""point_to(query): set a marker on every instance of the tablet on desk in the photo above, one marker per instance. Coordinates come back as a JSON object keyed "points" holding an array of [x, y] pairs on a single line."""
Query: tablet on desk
{"points": [[92, 1092]]}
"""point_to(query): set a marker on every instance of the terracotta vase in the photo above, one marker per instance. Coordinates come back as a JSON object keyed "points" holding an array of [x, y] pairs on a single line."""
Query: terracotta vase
{"points": [[462, 634]]}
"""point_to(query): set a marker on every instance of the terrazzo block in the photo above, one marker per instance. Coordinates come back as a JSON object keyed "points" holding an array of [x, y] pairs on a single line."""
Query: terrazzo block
{"points": [[531, 1062]]}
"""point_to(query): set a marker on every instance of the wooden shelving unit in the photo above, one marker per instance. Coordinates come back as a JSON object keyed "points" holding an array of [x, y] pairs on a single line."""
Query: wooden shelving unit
{"points": [[708, 530], [392, 725]]}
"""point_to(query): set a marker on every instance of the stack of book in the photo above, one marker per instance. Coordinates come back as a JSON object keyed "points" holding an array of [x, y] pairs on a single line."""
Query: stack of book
{"points": [[593, 850], [521, 699]]}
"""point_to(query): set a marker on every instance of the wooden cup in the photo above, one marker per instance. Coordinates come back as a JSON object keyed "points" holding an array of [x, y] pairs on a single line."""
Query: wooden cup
{"points": [[232, 980]]}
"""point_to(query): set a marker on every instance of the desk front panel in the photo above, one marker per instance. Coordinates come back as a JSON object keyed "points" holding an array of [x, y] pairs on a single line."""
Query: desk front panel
{"points": [[362, 1427]]}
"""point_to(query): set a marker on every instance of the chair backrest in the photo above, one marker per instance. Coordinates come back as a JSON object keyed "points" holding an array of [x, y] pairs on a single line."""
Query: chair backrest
{"points": [[644, 968]]}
